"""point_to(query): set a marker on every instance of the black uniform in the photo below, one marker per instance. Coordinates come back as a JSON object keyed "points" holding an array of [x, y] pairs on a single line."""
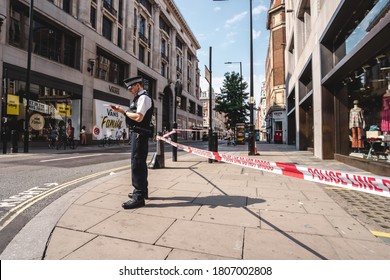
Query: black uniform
{"points": [[139, 149]]}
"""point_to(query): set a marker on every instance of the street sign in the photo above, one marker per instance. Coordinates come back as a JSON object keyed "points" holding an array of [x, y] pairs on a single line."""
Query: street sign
{"points": [[207, 74]]}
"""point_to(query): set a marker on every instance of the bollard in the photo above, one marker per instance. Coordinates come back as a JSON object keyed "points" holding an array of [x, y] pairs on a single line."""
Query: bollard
{"points": [[14, 141], [174, 139], [4, 135], [215, 145], [158, 159]]}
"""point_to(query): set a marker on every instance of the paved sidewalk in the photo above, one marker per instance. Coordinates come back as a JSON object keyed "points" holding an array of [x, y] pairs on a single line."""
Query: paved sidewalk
{"points": [[199, 210]]}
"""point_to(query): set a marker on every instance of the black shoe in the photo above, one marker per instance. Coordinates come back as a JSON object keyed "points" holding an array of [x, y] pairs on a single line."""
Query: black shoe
{"points": [[130, 195], [131, 204]]}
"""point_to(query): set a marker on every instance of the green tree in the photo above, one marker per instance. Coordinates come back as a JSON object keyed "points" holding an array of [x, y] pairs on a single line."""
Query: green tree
{"points": [[233, 100]]}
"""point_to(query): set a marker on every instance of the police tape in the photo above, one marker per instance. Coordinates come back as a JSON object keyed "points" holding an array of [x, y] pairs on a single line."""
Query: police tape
{"points": [[365, 183], [175, 130]]}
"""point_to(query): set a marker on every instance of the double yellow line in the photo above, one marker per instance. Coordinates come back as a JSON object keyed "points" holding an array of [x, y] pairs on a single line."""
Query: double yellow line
{"points": [[15, 211]]}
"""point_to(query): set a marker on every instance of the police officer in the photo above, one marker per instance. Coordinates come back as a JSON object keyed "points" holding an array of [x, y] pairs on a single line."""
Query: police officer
{"points": [[138, 117]]}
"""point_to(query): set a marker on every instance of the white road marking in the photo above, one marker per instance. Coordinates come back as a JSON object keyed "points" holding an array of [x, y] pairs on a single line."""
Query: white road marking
{"points": [[58, 159]]}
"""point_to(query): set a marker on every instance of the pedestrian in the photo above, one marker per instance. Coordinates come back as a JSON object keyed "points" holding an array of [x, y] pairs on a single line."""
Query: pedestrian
{"points": [[83, 136], [139, 118], [124, 135], [53, 136]]}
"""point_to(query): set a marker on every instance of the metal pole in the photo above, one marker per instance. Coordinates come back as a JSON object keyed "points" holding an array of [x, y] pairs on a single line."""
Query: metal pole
{"points": [[174, 126], [27, 117], [4, 124], [210, 105], [252, 139]]}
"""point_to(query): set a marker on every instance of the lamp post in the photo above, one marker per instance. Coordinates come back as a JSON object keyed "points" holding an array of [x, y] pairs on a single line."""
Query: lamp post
{"points": [[251, 139], [27, 117], [233, 62], [178, 90]]}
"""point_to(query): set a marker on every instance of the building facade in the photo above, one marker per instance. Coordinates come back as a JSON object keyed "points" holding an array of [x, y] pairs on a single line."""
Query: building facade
{"points": [[261, 124], [337, 62], [276, 118], [81, 51]]}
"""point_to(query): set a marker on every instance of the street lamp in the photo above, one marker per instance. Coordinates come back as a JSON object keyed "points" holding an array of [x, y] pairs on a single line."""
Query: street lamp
{"points": [[252, 138], [30, 41]]}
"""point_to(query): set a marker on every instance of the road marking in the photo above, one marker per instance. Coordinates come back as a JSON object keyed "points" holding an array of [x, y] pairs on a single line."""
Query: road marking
{"points": [[380, 234], [57, 159], [29, 202]]}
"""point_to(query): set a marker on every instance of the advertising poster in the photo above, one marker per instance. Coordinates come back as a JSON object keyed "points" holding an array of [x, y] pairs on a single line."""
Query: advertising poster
{"points": [[108, 123], [12, 104]]}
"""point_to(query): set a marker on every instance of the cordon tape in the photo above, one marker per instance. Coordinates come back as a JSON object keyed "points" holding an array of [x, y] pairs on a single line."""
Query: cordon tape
{"points": [[365, 183]]}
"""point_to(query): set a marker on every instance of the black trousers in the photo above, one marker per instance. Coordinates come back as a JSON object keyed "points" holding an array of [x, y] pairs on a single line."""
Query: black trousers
{"points": [[139, 169]]}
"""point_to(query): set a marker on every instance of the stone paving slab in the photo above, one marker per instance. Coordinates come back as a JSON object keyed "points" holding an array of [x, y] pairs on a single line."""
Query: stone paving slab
{"points": [[80, 217], [67, 241], [297, 222], [220, 240], [134, 227], [228, 216], [107, 248]]}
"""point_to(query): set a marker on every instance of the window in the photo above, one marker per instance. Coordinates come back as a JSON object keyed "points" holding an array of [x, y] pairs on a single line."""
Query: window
{"points": [[142, 30], [119, 37], [110, 68], [141, 54], [107, 28], [49, 39], [66, 6], [93, 17], [164, 26]]}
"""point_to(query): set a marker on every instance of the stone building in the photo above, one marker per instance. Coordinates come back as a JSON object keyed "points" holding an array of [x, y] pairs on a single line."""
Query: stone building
{"points": [[81, 50], [338, 56], [276, 119]]}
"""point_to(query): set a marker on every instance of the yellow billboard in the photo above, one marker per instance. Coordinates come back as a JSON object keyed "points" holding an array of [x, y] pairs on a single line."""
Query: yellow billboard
{"points": [[63, 109], [12, 104]]}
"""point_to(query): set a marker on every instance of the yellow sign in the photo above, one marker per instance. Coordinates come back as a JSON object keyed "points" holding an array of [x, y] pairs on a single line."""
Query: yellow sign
{"points": [[63, 109], [12, 104]]}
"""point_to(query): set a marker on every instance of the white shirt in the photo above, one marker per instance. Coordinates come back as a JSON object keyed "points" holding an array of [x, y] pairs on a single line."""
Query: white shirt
{"points": [[144, 103]]}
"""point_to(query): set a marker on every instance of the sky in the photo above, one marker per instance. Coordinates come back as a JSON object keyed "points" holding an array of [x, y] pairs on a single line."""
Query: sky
{"points": [[224, 26]]}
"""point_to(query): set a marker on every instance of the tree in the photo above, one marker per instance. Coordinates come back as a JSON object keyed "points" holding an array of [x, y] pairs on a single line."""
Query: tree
{"points": [[233, 100]]}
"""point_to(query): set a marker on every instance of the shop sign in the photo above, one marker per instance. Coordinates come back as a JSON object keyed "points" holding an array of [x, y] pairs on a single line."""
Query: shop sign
{"points": [[63, 110], [39, 107], [113, 89], [12, 104], [37, 122], [278, 115], [107, 121]]}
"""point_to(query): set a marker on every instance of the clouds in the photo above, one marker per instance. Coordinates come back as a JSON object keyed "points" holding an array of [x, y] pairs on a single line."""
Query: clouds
{"points": [[235, 19]]}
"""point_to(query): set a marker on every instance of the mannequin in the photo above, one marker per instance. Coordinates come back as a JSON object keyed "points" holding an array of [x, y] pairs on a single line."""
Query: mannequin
{"points": [[385, 124], [356, 124]]}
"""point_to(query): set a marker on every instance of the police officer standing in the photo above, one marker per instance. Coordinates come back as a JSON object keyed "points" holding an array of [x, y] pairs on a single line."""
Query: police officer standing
{"points": [[138, 117]]}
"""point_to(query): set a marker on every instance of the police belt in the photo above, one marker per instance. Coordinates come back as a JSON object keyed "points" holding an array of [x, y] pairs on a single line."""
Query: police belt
{"points": [[143, 131]]}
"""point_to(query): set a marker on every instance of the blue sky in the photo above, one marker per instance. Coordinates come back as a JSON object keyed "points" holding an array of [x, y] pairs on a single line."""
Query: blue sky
{"points": [[224, 26]]}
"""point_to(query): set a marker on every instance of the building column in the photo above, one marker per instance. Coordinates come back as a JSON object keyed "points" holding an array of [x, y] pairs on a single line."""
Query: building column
{"points": [[84, 12], [156, 49], [172, 58], [129, 26]]}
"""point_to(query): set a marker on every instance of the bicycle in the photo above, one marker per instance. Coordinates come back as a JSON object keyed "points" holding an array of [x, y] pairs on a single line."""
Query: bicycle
{"points": [[67, 141], [105, 141]]}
